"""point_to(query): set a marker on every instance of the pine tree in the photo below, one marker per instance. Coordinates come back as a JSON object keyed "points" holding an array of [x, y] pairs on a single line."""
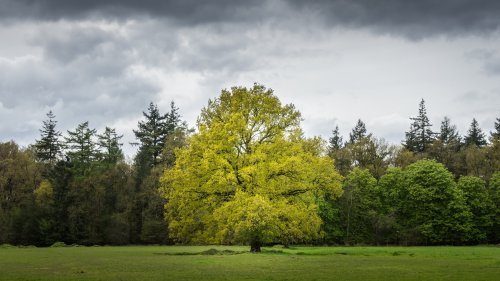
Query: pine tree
{"points": [[109, 143], [475, 135], [448, 134], [420, 136], [358, 132], [82, 148], [48, 148], [151, 135], [335, 141]]}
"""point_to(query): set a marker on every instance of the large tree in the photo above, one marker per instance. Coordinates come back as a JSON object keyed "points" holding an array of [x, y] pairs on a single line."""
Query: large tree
{"points": [[431, 208], [248, 175]]}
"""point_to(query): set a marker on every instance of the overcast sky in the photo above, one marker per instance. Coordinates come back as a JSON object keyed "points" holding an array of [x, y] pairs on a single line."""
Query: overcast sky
{"points": [[103, 61]]}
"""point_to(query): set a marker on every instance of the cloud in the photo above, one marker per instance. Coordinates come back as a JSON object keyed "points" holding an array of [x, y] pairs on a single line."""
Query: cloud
{"points": [[186, 12], [488, 58], [104, 61], [410, 19]]}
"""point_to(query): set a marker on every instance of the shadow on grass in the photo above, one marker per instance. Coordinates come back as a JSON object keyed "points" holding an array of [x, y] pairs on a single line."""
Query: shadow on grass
{"points": [[209, 252]]}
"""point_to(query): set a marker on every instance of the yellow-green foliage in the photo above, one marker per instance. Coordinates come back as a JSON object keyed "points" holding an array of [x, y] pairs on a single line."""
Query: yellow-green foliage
{"points": [[248, 175], [44, 193]]}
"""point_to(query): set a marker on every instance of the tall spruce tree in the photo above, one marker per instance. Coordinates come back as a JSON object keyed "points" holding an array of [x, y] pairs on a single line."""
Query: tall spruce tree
{"points": [[48, 148], [358, 132], [475, 135], [420, 135]]}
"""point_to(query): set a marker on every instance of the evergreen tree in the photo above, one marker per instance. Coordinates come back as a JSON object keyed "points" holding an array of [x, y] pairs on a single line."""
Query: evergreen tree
{"points": [[153, 132], [448, 134], [153, 135], [335, 141], [446, 148], [420, 136], [81, 145], [109, 143], [496, 133], [358, 132], [338, 152], [475, 135], [48, 148]]}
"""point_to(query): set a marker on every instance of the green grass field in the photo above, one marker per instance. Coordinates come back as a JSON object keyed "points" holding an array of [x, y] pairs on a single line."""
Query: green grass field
{"points": [[234, 263]]}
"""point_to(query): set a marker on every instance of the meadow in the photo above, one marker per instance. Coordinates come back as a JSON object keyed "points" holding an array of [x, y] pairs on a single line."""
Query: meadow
{"points": [[236, 263]]}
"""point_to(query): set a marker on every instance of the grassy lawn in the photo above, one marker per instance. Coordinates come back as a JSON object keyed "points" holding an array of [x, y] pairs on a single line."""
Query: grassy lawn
{"points": [[229, 263]]}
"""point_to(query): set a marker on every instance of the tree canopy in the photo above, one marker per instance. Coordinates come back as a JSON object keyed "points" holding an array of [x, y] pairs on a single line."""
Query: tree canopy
{"points": [[248, 174]]}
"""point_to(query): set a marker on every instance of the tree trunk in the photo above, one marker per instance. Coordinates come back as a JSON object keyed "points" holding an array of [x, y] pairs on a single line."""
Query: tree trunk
{"points": [[255, 246]]}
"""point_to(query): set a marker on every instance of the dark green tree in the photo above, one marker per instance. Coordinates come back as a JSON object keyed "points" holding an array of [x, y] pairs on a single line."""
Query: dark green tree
{"points": [[358, 132], [480, 204], [446, 148], [110, 146], [80, 144], [431, 209], [335, 141], [494, 191], [20, 175], [358, 206], [153, 134], [420, 136], [48, 148], [475, 135], [495, 135], [448, 134], [336, 150]]}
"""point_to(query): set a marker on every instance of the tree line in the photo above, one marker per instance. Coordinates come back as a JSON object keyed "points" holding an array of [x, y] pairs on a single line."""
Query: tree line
{"points": [[248, 150], [77, 187]]}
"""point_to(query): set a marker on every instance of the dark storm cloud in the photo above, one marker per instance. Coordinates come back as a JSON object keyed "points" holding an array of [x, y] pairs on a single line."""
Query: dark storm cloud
{"points": [[186, 11], [412, 19]]}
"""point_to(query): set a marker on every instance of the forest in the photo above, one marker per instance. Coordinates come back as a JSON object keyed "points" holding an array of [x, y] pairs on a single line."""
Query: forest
{"points": [[247, 175]]}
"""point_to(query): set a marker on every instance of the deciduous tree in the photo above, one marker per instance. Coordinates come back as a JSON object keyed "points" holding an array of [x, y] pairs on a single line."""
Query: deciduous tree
{"points": [[248, 175]]}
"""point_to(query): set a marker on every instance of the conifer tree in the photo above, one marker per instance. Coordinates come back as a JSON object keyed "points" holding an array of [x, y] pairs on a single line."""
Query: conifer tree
{"points": [[448, 134], [48, 148], [81, 145], [153, 132], [335, 141], [475, 135], [358, 132], [109, 143], [495, 135], [420, 136]]}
